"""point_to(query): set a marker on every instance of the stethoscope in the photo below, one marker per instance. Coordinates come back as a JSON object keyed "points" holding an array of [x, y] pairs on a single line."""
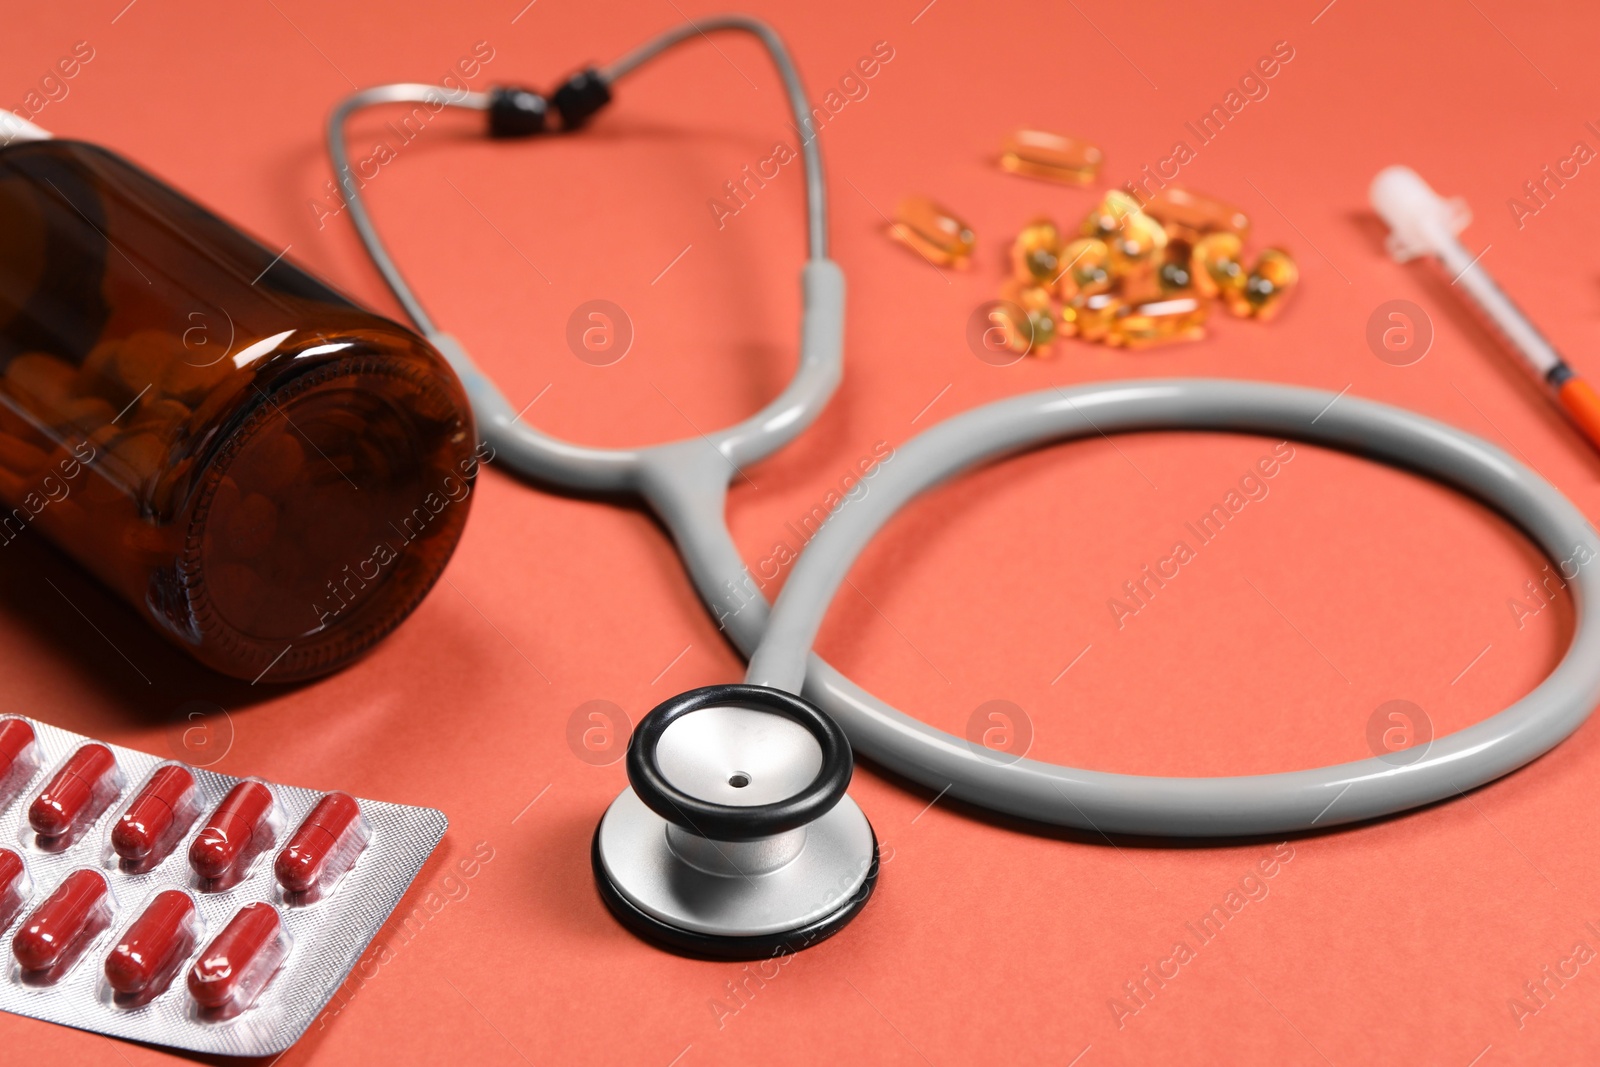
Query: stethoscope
{"points": [[736, 837]]}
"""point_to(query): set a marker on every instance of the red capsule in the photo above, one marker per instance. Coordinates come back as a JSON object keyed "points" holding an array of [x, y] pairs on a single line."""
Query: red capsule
{"points": [[11, 870], [334, 819], [15, 737], [13, 882], [235, 967], [72, 791], [148, 819], [154, 945], [60, 924], [228, 832]]}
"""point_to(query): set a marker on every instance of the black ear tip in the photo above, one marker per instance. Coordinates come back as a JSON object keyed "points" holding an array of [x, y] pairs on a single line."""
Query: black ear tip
{"points": [[580, 96], [516, 112]]}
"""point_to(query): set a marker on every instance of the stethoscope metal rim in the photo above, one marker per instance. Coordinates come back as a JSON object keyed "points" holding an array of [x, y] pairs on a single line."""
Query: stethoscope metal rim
{"points": [[682, 869], [661, 898]]}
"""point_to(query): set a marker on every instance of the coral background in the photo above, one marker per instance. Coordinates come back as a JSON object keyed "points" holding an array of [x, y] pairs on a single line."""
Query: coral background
{"points": [[1348, 586]]}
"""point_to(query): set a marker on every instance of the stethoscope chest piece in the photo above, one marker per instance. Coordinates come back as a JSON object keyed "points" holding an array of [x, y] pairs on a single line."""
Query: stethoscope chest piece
{"points": [[735, 838]]}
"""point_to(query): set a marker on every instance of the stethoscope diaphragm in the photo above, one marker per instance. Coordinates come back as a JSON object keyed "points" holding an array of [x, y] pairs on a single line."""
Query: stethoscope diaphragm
{"points": [[735, 838]]}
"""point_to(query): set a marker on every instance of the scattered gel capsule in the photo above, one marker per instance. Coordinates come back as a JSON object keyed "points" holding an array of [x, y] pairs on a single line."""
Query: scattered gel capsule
{"points": [[1215, 264], [1028, 321], [66, 920], [1090, 317], [1175, 276], [1189, 216], [150, 951], [1036, 253], [1045, 329], [227, 834], [1006, 329], [1109, 215], [1266, 288], [1051, 156], [1179, 317], [71, 795], [1085, 269], [14, 887], [150, 818], [933, 231], [333, 833], [1138, 273], [1137, 246], [238, 964]]}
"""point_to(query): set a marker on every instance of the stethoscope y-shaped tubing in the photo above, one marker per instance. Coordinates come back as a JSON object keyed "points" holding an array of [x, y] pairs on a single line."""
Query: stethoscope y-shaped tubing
{"points": [[686, 483]]}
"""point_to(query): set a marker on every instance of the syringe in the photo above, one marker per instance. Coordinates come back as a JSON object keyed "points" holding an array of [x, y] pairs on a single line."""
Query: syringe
{"points": [[1423, 223]]}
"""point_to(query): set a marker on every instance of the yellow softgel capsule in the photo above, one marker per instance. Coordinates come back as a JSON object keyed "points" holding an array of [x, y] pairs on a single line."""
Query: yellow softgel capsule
{"points": [[1178, 317], [1045, 331], [1268, 285], [1215, 264], [1085, 269], [1029, 318], [1036, 253], [1051, 156], [1138, 246], [1189, 216], [1175, 274], [934, 231], [1027, 295], [1109, 215], [1090, 317]]}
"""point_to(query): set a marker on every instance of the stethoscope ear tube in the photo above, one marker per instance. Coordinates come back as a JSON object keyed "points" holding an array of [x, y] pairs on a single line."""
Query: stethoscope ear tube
{"points": [[676, 468], [690, 872]]}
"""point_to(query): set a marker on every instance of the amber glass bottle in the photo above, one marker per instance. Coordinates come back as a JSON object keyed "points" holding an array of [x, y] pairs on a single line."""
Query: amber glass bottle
{"points": [[271, 475]]}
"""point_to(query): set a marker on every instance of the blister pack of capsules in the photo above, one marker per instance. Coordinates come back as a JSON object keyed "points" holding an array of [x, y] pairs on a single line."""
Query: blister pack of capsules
{"points": [[145, 899]]}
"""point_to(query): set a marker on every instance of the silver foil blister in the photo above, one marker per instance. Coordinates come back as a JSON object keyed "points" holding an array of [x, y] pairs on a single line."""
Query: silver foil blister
{"points": [[328, 935]]}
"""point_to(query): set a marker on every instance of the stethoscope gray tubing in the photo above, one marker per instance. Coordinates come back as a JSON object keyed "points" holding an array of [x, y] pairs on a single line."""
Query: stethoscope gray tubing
{"points": [[1253, 804], [686, 483]]}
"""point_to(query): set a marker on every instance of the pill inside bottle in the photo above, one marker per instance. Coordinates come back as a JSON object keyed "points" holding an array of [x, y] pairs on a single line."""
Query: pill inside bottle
{"points": [[270, 474]]}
